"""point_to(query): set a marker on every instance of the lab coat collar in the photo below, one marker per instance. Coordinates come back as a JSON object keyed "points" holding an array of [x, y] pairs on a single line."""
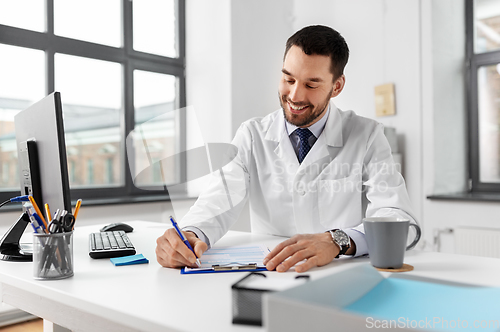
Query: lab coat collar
{"points": [[332, 131], [284, 150], [331, 137], [277, 133], [333, 127], [277, 127], [316, 128]]}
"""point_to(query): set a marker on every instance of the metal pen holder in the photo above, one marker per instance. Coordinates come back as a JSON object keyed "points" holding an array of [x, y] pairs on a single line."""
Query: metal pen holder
{"points": [[53, 256]]}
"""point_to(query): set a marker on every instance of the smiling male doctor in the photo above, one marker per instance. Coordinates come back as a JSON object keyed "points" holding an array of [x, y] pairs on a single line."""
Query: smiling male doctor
{"points": [[304, 168]]}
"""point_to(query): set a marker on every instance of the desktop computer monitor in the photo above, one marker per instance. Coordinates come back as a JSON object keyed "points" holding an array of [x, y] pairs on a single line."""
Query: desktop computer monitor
{"points": [[43, 170], [42, 123]]}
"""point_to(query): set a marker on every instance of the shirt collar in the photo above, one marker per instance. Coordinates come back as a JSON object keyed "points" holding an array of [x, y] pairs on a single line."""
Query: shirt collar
{"points": [[315, 128]]}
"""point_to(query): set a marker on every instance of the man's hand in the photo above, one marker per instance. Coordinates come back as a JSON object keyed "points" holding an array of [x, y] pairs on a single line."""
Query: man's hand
{"points": [[317, 249], [172, 252]]}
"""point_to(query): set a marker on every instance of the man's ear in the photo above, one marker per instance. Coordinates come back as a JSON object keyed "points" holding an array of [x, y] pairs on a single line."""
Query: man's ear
{"points": [[338, 86]]}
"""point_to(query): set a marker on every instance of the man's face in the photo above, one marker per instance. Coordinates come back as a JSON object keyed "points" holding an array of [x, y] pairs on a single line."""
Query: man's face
{"points": [[306, 87]]}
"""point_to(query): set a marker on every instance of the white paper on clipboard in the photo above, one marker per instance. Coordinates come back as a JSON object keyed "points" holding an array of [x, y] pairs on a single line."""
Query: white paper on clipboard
{"points": [[231, 256]]}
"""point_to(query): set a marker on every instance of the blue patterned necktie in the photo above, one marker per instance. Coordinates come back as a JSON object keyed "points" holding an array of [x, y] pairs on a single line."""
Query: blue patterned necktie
{"points": [[304, 146]]}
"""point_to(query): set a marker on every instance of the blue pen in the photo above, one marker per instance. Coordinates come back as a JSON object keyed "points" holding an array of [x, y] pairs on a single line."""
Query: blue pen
{"points": [[35, 225], [39, 220], [186, 242]]}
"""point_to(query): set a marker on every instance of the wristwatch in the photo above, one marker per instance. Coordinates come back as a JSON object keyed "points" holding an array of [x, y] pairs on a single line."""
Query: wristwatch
{"points": [[341, 239]]}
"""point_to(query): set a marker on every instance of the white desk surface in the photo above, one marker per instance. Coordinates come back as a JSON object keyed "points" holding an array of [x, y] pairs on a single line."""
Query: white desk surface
{"points": [[148, 297]]}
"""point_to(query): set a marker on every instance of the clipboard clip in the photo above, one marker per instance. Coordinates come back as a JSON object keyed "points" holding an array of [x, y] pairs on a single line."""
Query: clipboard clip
{"points": [[252, 266]]}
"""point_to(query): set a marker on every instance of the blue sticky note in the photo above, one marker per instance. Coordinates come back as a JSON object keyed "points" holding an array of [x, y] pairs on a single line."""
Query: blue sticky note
{"points": [[129, 260], [432, 306]]}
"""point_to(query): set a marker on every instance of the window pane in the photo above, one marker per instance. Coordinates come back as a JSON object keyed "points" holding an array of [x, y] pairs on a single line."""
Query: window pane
{"points": [[487, 25], [90, 20], [91, 92], [155, 120], [489, 123], [15, 13], [22, 73], [155, 27]]}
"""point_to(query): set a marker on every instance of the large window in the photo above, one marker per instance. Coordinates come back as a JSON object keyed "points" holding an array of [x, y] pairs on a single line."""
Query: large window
{"points": [[483, 58], [118, 64]]}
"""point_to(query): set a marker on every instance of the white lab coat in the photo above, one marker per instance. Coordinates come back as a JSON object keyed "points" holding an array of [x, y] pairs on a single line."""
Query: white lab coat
{"points": [[350, 158]]}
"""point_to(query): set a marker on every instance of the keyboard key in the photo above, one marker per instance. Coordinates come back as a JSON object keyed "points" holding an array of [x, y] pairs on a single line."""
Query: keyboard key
{"points": [[112, 241], [105, 242], [120, 242], [127, 242], [98, 243]]}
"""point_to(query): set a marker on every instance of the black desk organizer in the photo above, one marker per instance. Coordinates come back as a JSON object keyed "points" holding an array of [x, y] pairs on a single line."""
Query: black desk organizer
{"points": [[10, 250], [247, 302]]}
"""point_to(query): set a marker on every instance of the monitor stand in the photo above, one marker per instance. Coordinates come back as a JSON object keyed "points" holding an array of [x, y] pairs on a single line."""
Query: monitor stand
{"points": [[10, 249]]}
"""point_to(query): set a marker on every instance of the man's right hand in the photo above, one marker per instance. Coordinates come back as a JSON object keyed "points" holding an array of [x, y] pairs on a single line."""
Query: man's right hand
{"points": [[172, 252]]}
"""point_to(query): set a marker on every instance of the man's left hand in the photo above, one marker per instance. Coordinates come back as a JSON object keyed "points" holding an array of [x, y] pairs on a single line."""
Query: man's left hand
{"points": [[316, 249]]}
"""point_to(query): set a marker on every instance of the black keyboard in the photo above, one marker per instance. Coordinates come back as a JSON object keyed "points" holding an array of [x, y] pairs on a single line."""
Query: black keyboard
{"points": [[110, 244]]}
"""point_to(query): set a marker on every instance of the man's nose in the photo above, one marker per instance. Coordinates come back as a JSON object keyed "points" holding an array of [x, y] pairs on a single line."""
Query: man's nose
{"points": [[297, 93]]}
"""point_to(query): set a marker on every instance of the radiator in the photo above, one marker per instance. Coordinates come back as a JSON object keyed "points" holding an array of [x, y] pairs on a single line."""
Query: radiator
{"points": [[477, 241]]}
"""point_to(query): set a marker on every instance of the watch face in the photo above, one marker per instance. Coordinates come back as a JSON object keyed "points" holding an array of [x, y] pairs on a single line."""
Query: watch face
{"points": [[341, 238]]}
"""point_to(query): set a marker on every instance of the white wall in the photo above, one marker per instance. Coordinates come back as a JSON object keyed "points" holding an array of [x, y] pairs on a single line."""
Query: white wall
{"points": [[259, 32], [444, 121], [444, 91], [233, 65], [208, 66]]}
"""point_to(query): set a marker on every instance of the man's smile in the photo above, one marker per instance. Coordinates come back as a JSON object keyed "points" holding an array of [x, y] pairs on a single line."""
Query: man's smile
{"points": [[297, 109]]}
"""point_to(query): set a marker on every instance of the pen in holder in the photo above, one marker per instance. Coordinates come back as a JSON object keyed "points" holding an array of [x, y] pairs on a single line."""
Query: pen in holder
{"points": [[52, 255]]}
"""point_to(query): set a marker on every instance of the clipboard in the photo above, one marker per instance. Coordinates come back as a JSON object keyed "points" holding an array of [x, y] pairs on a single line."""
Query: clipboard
{"points": [[229, 268], [231, 259]]}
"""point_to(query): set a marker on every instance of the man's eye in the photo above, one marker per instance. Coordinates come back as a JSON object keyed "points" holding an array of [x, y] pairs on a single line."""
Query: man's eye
{"points": [[290, 81], [311, 87]]}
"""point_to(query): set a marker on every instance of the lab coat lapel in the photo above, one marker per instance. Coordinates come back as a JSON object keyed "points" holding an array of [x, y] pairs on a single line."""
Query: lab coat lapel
{"points": [[284, 150]]}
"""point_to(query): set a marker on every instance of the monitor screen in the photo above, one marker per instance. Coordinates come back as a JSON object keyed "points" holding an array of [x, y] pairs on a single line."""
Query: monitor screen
{"points": [[42, 123]]}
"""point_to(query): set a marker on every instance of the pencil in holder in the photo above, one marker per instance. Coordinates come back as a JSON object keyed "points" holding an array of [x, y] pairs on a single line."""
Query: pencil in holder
{"points": [[52, 256]]}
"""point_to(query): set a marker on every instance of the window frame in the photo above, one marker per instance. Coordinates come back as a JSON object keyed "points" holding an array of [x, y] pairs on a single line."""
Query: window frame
{"points": [[130, 60], [473, 63]]}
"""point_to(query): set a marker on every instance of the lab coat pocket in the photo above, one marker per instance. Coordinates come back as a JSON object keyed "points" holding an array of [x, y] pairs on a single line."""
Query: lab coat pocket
{"points": [[339, 201]]}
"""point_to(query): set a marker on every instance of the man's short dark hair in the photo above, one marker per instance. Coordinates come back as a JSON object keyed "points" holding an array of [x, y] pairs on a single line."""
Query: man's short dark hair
{"points": [[322, 40]]}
